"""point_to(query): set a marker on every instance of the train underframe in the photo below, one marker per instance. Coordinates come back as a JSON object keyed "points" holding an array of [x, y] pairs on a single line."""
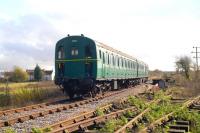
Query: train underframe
{"points": [[92, 87]]}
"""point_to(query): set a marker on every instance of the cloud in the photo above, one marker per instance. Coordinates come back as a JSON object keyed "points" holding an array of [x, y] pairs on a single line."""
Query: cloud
{"points": [[26, 41]]}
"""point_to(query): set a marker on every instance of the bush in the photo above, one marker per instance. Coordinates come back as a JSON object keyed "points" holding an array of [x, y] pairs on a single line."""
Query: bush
{"points": [[19, 75]]}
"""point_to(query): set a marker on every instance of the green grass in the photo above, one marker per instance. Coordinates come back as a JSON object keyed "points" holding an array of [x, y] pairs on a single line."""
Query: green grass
{"points": [[27, 96], [17, 85]]}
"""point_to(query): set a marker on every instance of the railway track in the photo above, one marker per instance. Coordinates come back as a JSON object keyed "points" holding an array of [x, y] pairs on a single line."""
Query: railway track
{"points": [[31, 107], [180, 126], [81, 122], [45, 110]]}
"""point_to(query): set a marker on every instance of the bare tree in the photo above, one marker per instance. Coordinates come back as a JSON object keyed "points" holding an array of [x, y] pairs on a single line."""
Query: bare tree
{"points": [[183, 65]]}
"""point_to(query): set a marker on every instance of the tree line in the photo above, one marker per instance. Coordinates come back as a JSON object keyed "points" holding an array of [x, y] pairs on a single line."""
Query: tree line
{"points": [[20, 75]]}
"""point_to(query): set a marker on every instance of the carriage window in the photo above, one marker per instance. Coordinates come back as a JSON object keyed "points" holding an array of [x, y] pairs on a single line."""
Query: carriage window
{"points": [[108, 59], [100, 54], [103, 58], [61, 53], [118, 62], [74, 51], [113, 60]]}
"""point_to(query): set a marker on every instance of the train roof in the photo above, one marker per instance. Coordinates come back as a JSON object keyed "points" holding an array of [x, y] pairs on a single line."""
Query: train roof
{"points": [[107, 47], [117, 51]]}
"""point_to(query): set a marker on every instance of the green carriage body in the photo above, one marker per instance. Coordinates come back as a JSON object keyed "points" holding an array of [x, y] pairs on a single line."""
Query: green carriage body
{"points": [[83, 60], [107, 63]]}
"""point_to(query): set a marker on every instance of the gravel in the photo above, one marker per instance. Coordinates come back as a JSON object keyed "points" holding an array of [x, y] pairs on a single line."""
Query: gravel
{"points": [[49, 119]]}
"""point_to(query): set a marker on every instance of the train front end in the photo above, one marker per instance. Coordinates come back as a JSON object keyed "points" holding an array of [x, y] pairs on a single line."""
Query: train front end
{"points": [[75, 64]]}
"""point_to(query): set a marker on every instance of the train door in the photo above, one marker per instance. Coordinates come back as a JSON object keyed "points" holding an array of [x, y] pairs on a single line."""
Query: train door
{"points": [[88, 62], [61, 65]]}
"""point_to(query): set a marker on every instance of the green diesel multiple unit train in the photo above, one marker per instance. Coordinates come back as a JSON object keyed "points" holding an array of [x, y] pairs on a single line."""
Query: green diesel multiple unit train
{"points": [[84, 66]]}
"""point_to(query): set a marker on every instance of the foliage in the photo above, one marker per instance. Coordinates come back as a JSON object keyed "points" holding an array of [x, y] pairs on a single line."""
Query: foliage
{"points": [[129, 114], [159, 110], [36, 130], [17, 85], [113, 124], [109, 127], [122, 121], [48, 129], [37, 73], [162, 96], [10, 130], [183, 65], [25, 96], [19, 75], [99, 112], [138, 102], [193, 117]]}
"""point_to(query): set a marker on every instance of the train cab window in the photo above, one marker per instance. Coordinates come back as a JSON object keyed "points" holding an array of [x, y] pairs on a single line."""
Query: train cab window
{"points": [[74, 51], [61, 52]]}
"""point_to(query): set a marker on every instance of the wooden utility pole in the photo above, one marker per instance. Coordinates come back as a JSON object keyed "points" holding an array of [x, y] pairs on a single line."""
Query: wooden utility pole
{"points": [[196, 56]]}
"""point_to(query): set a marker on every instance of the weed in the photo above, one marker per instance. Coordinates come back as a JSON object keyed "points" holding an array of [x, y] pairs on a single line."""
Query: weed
{"points": [[129, 114], [99, 112], [10, 130], [48, 129], [25, 96], [109, 127], [139, 103], [36, 130]]}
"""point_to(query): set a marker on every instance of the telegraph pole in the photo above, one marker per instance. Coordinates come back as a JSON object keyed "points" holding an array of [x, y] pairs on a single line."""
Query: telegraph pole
{"points": [[196, 56]]}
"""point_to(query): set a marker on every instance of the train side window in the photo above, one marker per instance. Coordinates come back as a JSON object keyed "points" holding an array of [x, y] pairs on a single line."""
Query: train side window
{"points": [[108, 59], [118, 61], [61, 52], [100, 54], [103, 57], [113, 59]]}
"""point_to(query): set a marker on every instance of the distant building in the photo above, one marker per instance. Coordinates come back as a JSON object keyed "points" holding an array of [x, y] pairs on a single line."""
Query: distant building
{"points": [[1, 74], [46, 75]]}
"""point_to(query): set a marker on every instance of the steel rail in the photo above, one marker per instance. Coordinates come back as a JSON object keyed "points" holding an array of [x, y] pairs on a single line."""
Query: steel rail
{"points": [[76, 119], [135, 119], [53, 110], [92, 121], [30, 107]]}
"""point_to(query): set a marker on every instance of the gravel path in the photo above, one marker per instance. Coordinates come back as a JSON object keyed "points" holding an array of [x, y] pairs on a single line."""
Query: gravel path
{"points": [[63, 115]]}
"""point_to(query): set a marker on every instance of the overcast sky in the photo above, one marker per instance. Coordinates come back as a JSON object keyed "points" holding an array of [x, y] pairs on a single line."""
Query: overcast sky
{"points": [[155, 31]]}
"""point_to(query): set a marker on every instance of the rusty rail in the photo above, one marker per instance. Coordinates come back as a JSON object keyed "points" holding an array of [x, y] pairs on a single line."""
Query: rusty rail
{"points": [[78, 118], [53, 110], [135, 119], [30, 107], [83, 124]]}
